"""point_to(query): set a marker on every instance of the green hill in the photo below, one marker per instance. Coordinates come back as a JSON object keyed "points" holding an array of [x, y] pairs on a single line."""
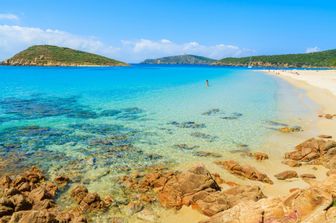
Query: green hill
{"points": [[181, 59], [46, 55], [325, 59]]}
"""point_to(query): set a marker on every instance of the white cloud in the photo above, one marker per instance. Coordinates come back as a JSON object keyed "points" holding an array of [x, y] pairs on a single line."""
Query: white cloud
{"points": [[313, 49], [144, 48], [8, 16], [15, 38]]}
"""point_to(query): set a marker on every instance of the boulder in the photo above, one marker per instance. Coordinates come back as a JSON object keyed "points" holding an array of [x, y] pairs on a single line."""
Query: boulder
{"points": [[245, 171], [288, 174], [186, 184], [87, 201]]}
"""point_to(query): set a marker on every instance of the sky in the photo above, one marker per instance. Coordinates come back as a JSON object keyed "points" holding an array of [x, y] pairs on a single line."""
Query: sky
{"points": [[134, 30]]}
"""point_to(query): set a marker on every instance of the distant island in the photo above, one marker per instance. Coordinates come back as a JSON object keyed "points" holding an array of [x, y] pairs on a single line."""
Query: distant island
{"points": [[180, 59], [47, 55], [323, 59]]}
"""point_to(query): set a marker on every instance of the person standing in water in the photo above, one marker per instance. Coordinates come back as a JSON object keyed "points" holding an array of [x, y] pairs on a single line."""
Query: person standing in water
{"points": [[206, 83]]}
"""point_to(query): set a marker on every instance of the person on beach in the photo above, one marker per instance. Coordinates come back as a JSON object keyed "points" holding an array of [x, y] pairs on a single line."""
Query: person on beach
{"points": [[206, 83]]}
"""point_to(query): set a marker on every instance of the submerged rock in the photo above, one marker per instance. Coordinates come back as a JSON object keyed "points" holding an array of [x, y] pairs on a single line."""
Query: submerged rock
{"points": [[207, 154], [185, 147], [188, 125], [212, 112], [290, 129], [204, 136]]}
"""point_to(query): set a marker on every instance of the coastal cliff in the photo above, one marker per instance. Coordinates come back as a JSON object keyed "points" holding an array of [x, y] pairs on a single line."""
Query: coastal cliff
{"points": [[325, 59], [47, 55], [180, 59]]}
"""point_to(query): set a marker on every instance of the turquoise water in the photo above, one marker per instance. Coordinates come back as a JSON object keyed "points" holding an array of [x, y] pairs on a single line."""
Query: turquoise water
{"points": [[103, 122]]}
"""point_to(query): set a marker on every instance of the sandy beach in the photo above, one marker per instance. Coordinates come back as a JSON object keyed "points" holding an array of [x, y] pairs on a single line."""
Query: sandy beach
{"points": [[320, 86]]}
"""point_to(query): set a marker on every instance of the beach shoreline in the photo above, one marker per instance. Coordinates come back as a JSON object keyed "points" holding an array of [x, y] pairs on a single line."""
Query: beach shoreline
{"points": [[319, 86]]}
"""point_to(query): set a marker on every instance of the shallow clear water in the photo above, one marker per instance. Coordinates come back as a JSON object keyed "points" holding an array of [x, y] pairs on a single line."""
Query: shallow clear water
{"points": [[99, 122]]}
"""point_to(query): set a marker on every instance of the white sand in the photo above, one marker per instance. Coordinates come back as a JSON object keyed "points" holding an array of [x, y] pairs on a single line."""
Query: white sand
{"points": [[324, 79]]}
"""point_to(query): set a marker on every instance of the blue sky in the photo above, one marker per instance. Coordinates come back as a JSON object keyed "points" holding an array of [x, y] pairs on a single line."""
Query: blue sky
{"points": [[132, 30]]}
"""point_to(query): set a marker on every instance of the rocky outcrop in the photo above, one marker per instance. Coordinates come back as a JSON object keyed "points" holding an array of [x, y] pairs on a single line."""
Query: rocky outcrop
{"points": [[313, 205], [195, 187], [245, 171], [30, 198], [315, 151]]}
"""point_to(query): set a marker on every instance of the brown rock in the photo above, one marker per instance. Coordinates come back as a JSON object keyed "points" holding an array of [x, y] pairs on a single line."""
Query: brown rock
{"points": [[20, 202], [328, 116], [308, 176], [246, 171], [44, 204], [62, 180], [286, 175], [34, 175], [325, 136], [211, 203], [4, 210], [11, 192], [186, 184], [315, 151], [291, 163], [259, 156], [300, 206], [42, 216], [5, 181], [79, 193], [39, 194]]}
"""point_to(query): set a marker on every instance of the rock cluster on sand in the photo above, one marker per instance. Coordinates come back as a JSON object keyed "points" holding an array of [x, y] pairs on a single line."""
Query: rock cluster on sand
{"points": [[315, 151], [313, 205], [195, 187], [328, 116], [245, 171], [30, 198]]}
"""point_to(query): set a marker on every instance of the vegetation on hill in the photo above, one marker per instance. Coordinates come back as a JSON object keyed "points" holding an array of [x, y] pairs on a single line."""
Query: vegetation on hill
{"points": [[317, 59], [46, 55], [181, 59]]}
